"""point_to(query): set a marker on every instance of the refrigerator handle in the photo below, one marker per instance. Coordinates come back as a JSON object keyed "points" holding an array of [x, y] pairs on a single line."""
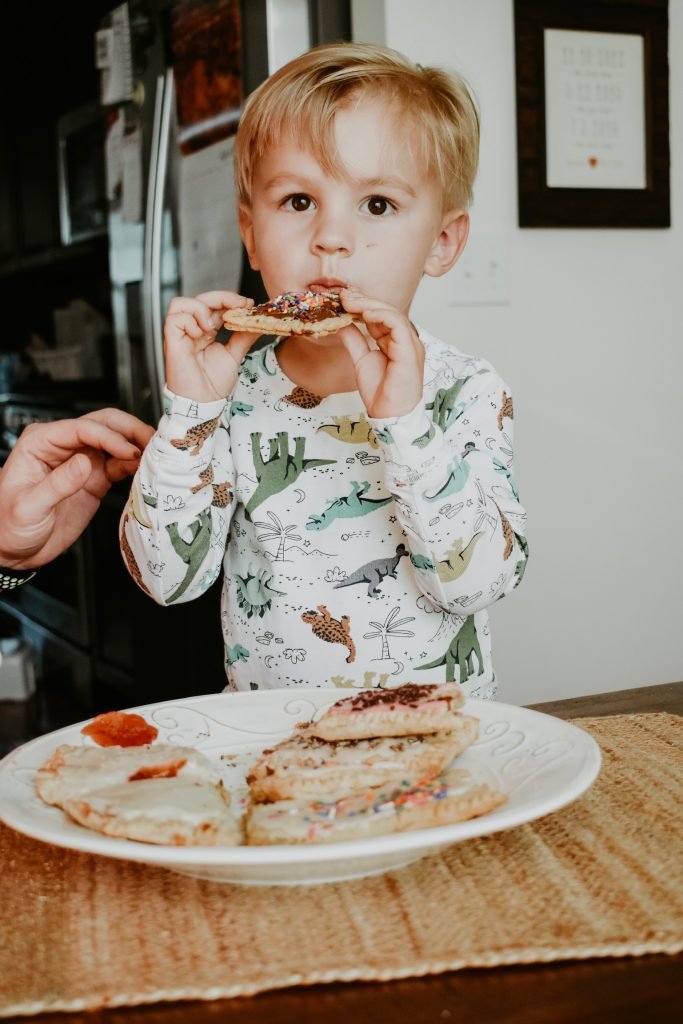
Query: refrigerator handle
{"points": [[158, 168]]}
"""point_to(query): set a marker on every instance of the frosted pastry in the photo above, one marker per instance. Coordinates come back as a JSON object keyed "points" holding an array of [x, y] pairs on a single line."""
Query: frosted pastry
{"points": [[408, 710], [173, 811], [449, 798], [73, 770], [316, 313], [305, 766]]}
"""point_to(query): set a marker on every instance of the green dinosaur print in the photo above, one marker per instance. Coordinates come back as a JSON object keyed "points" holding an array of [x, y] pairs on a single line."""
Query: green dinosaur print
{"points": [[459, 558], [350, 431], [384, 435], [240, 408], [500, 468], [445, 409], [254, 593], [374, 572], [520, 567], [423, 563], [423, 440], [192, 552], [459, 652], [236, 653], [458, 475], [349, 507], [280, 470]]}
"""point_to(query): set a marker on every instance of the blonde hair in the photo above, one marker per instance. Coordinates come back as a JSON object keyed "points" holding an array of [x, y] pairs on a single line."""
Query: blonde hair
{"points": [[300, 101]]}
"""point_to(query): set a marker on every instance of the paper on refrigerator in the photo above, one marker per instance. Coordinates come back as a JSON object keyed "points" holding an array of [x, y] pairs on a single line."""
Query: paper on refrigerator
{"points": [[210, 244]]}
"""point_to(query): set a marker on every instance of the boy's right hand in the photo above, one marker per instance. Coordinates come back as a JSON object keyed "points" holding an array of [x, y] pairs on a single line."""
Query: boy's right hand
{"points": [[197, 366]]}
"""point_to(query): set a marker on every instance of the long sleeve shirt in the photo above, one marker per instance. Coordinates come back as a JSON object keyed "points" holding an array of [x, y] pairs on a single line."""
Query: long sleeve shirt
{"points": [[354, 551]]}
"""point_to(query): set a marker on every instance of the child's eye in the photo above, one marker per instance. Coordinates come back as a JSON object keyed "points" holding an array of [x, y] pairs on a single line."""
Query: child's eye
{"points": [[378, 206], [298, 202]]}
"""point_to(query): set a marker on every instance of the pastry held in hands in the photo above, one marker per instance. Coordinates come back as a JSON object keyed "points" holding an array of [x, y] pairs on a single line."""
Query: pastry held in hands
{"points": [[447, 799], [408, 710], [317, 313], [304, 766]]}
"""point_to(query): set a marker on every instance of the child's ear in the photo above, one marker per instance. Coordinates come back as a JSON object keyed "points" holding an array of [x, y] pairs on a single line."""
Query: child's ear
{"points": [[246, 223], [449, 243]]}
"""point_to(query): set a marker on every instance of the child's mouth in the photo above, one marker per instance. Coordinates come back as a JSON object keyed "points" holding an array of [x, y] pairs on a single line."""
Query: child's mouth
{"points": [[326, 284]]}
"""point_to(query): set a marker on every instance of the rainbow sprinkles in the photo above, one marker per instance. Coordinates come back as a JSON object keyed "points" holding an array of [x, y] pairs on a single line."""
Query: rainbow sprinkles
{"points": [[302, 312]]}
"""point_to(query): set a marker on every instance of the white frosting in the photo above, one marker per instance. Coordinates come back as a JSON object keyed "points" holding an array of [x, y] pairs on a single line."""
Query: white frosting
{"points": [[160, 800]]}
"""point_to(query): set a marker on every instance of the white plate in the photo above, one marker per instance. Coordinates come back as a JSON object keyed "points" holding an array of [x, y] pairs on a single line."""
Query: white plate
{"points": [[541, 762]]}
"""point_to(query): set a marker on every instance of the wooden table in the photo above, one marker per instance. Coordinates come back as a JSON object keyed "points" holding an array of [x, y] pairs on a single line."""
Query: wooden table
{"points": [[631, 990]]}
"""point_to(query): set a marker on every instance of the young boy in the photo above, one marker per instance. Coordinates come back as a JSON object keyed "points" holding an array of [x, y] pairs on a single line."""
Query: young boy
{"points": [[357, 489]]}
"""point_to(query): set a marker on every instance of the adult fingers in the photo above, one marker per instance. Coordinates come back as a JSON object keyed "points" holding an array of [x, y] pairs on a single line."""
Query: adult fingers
{"points": [[119, 469], [127, 425], [39, 501], [57, 441]]}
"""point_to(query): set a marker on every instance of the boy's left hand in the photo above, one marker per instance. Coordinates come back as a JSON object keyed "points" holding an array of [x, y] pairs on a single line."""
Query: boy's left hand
{"points": [[389, 377]]}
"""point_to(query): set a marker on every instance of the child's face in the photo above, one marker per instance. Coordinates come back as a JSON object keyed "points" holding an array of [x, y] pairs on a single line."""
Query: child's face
{"points": [[377, 228]]}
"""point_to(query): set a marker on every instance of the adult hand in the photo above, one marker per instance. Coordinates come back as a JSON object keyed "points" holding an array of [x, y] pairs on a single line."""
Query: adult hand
{"points": [[53, 481], [197, 366], [389, 376]]}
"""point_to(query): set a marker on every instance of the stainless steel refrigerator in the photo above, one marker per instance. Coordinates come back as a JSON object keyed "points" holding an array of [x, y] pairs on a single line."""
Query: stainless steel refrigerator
{"points": [[174, 76]]}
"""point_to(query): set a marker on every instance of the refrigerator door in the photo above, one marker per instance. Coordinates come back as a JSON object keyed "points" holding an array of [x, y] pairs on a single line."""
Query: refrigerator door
{"points": [[161, 279], [187, 238]]}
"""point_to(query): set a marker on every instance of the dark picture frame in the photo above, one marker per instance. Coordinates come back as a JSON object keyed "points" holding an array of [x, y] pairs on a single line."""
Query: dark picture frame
{"points": [[607, 207]]}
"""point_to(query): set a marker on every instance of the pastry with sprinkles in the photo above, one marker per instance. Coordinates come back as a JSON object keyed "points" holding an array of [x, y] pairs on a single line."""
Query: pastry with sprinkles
{"points": [[408, 710], [449, 798], [306, 312], [303, 766]]}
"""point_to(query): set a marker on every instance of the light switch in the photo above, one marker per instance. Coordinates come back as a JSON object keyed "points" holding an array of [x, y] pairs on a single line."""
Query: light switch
{"points": [[481, 275]]}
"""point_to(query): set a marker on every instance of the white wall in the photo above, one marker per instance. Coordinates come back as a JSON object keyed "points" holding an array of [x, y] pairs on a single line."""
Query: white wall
{"points": [[591, 343]]}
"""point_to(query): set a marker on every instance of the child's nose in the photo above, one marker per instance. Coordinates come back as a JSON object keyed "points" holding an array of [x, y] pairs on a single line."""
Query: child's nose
{"points": [[332, 234]]}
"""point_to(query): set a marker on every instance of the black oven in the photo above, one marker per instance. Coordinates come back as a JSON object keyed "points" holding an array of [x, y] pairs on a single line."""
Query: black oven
{"points": [[52, 613]]}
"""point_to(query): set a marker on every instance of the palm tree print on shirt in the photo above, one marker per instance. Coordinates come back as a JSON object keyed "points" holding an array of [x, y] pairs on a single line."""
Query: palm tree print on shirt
{"points": [[388, 628]]}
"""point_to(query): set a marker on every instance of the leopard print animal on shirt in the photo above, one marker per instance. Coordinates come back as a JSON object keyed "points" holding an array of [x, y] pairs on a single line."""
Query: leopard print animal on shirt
{"points": [[196, 436], [303, 398], [333, 631], [222, 495], [505, 410], [133, 567]]}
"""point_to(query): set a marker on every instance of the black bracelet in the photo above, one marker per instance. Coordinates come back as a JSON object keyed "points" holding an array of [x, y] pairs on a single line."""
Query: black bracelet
{"points": [[12, 578]]}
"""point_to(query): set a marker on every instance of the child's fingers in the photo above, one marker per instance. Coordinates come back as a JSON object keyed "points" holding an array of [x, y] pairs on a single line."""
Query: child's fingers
{"points": [[354, 342], [224, 300], [203, 308], [239, 344], [387, 324], [184, 325]]}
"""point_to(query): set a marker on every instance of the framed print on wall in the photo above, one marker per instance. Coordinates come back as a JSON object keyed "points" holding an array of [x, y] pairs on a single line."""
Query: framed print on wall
{"points": [[592, 82]]}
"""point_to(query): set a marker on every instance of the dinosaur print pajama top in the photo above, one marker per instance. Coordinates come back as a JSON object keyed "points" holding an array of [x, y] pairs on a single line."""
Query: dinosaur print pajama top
{"points": [[355, 552]]}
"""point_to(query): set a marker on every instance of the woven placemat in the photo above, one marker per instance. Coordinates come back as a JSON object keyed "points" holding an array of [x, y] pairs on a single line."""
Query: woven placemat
{"points": [[602, 877]]}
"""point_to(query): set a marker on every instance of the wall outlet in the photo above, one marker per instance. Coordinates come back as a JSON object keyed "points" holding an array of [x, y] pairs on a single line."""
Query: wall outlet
{"points": [[481, 275]]}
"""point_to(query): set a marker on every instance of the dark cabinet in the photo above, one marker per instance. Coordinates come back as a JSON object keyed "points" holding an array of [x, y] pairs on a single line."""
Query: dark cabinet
{"points": [[36, 163], [60, 44], [8, 227]]}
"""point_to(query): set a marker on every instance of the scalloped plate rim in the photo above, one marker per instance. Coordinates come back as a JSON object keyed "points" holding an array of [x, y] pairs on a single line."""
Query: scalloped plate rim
{"points": [[71, 836]]}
